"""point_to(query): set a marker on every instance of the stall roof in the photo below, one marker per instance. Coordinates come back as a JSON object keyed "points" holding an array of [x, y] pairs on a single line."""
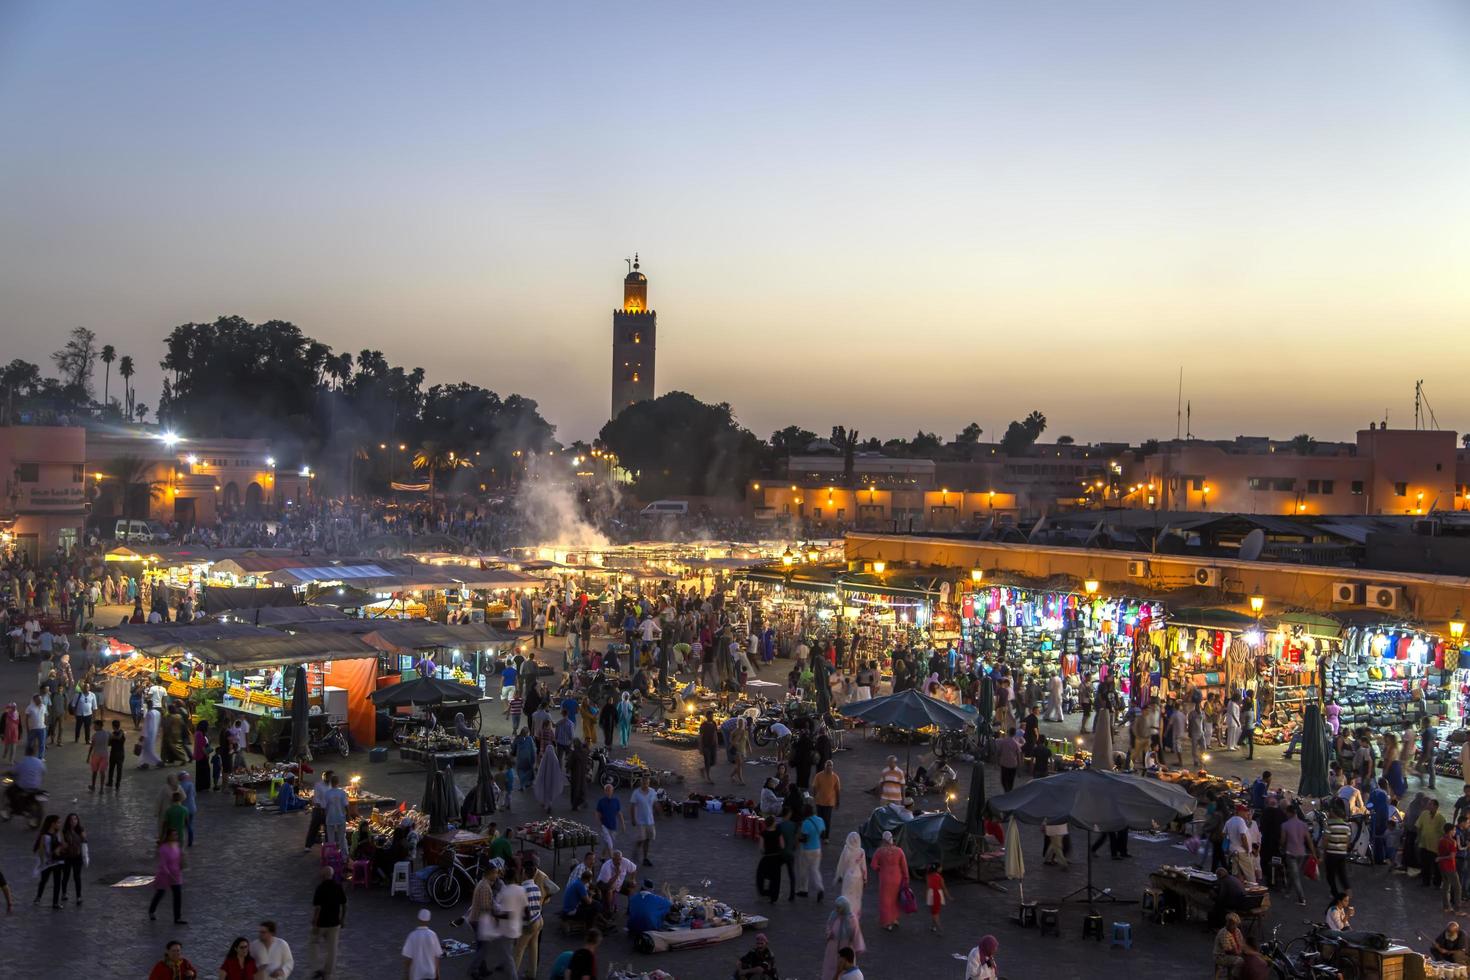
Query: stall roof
{"points": [[238, 645], [216, 598], [263, 564], [411, 634], [367, 575], [282, 615]]}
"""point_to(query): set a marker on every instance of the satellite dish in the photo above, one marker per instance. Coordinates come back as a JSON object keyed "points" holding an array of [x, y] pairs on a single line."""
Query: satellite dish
{"points": [[1036, 528], [1096, 529], [1251, 547]]}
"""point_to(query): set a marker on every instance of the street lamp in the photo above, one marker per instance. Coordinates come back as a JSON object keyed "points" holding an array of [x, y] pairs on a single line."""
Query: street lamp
{"points": [[1090, 586], [977, 575], [787, 558], [879, 565], [1258, 601], [1457, 626]]}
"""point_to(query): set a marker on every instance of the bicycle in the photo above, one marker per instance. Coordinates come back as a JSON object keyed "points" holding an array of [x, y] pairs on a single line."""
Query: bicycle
{"points": [[1320, 946], [446, 885], [333, 739]]}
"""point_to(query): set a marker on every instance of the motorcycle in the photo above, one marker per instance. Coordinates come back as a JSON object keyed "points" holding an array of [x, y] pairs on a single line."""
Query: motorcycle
{"points": [[25, 803]]}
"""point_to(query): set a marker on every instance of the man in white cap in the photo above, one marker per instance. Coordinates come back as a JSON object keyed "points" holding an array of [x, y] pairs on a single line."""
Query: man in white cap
{"points": [[422, 951]]}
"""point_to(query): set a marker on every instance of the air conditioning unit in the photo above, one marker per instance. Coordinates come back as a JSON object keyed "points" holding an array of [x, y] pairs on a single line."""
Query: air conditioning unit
{"points": [[1207, 576], [1347, 593], [1138, 568], [1384, 596]]}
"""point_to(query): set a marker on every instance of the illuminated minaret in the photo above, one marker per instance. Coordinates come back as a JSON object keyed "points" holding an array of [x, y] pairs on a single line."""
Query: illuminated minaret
{"points": [[635, 329]]}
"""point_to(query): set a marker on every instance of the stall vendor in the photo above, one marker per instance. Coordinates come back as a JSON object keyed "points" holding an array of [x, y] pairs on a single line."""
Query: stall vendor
{"points": [[286, 797], [647, 910], [424, 666]]}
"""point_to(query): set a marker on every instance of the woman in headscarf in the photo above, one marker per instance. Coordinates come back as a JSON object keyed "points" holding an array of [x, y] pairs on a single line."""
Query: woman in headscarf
{"points": [[851, 876], [770, 802], [524, 747], [893, 871], [843, 930], [10, 736], [802, 756], [607, 717], [148, 755], [931, 685], [462, 728], [588, 713], [1054, 698], [550, 780], [625, 719], [980, 964]]}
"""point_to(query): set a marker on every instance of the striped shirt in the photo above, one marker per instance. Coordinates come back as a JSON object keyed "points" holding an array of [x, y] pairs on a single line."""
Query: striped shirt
{"points": [[533, 900], [1336, 837]]}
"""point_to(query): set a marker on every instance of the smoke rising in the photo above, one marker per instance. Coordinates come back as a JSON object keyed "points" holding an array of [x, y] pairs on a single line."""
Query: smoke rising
{"points": [[551, 515]]}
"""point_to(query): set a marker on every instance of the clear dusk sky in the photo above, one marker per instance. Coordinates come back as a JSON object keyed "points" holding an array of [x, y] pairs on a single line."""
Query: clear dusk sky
{"points": [[884, 215]]}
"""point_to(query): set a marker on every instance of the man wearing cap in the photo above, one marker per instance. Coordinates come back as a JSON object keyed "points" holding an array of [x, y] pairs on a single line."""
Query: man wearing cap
{"points": [[422, 951], [647, 910]]}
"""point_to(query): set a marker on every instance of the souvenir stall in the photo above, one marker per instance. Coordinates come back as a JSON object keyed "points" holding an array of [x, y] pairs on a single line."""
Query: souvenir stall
{"points": [[1389, 677], [1064, 633], [1213, 651], [1292, 662]]}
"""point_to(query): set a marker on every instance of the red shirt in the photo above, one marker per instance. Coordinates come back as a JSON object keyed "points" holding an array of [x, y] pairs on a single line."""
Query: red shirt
{"points": [[234, 971], [1447, 853], [182, 970]]}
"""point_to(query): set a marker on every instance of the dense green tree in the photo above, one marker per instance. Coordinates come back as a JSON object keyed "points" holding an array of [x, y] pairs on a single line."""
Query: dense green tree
{"points": [[1022, 435], [676, 444], [791, 440], [75, 361]]}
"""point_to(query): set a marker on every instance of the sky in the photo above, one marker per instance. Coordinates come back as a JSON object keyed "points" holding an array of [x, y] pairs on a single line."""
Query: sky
{"points": [[887, 216]]}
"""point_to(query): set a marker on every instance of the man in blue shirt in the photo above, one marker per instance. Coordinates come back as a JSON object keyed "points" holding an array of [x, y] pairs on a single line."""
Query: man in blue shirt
{"points": [[1379, 810], [809, 856], [647, 910], [576, 901], [508, 680], [609, 818], [1259, 789]]}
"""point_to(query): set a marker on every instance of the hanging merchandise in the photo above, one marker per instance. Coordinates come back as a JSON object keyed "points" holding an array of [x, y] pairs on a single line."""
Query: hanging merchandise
{"points": [[1391, 677]]}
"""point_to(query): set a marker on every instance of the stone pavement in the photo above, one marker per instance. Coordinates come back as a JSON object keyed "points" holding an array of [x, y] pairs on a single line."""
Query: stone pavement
{"points": [[249, 865]]}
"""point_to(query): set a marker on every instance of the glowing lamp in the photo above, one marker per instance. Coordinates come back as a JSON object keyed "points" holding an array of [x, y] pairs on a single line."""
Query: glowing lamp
{"points": [[880, 566], [813, 554], [1090, 586], [977, 574], [1457, 626], [787, 558], [1258, 602]]}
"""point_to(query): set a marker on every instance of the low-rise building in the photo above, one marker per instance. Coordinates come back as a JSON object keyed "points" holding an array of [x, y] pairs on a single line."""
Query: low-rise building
{"points": [[45, 498]]}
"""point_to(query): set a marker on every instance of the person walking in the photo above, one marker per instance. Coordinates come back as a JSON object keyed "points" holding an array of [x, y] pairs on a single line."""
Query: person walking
{"points": [[96, 755], [173, 966], [328, 916], [84, 708], [709, 745], [739, 750], [772, 860], [422, 951], [36, 726], [826, 794], [272, 954], [893, 872], [529, 940], [892, 781], [334, 804], [851, 874], [9, 732], [50, 859], [168, 875], [117, 744], [844, 931], [238, 963], [75, 854], [642, 801], [810, 838]]}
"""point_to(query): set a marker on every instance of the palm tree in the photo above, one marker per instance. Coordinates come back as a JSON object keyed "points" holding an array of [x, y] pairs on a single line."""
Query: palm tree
{"points": [[132, 476], [433, 458], [109, 354], [125, 371]]}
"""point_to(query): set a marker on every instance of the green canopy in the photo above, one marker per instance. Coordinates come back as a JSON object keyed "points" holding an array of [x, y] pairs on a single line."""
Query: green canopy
{"points": [[933, 838]]}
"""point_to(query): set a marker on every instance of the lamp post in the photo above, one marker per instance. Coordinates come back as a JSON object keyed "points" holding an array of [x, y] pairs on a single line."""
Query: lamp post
{"points": [[1457, 627]]}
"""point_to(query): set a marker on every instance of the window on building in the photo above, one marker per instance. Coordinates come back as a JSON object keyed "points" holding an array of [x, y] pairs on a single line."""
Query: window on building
{"points": [[28, 472], [78, 473], [1284, 483], [817, 513], [1256, 483], [1313, 486], [1400, 489], [1357, 488], [1196, 483], [1327, 486]]}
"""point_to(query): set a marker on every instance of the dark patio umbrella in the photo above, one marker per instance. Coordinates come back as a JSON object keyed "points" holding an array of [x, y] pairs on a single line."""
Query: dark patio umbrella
{"points": [[300, 731], [1314, 755], [423, 690], [985, 711], [484, 792], [1098, 802], [439, 804], [823, 693], [910, 710]]}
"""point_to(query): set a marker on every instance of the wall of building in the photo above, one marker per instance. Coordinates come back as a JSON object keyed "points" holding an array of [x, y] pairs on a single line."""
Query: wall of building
{"points": [[44, 504], [1430, 599], [195, 481]]}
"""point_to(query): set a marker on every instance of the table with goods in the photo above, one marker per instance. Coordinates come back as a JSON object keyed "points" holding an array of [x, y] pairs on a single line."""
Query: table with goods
{"points": [[1191, 890], [437, 748], [697, 920]]}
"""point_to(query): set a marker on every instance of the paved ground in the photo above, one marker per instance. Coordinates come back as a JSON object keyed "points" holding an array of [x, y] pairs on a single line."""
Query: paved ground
{"points": [[249, 865]]}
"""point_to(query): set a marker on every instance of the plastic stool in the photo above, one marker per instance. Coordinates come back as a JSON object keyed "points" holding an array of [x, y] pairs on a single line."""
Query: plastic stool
{"points": [[1092, 926], [1122, 935], [331, 854], [362, 874], [1050, 921], [401, 871], [1026, 915]]}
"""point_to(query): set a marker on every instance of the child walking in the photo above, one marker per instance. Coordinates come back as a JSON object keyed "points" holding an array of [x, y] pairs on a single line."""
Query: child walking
{"points": [[938, 896]]}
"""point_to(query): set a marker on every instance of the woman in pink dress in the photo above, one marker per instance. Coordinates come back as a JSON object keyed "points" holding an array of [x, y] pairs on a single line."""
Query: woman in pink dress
{"points": [[843, 930], [169, 876], [893, 870]]}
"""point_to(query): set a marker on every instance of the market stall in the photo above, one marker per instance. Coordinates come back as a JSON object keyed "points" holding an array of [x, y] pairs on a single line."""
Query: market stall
{"points": [[696, 920], [554, 835], [1392, 676]]}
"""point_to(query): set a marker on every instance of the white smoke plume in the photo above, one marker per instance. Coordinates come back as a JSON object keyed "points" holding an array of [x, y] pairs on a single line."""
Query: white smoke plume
{"points": [[549, 511]]}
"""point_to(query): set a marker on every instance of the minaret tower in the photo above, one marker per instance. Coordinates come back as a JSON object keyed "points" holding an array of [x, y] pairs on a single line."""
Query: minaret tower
{"points": [[635, 328]]}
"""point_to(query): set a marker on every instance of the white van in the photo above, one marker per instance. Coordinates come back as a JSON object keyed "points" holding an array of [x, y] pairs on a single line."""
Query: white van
{"points": [[127, 530], [661, 508]]}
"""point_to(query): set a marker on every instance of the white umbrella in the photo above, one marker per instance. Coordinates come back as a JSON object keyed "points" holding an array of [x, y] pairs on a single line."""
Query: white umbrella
{"points": [[1015, 861]]}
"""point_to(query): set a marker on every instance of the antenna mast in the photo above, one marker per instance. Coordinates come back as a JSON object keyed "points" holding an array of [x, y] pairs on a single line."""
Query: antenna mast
{"points": [[1179, 404]]}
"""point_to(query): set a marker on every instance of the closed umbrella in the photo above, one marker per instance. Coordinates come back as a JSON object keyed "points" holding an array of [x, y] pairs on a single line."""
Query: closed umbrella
{"points": [[439, 800], [1314, 755], [484, 789], [823, 688], [1015, 860], [985, 711], [1098, 802], [1102, 740], [300, 709]]}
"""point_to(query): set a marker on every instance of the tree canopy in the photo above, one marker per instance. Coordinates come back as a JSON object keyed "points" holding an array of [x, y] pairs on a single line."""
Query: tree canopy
{"points": [[676, 444]]}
